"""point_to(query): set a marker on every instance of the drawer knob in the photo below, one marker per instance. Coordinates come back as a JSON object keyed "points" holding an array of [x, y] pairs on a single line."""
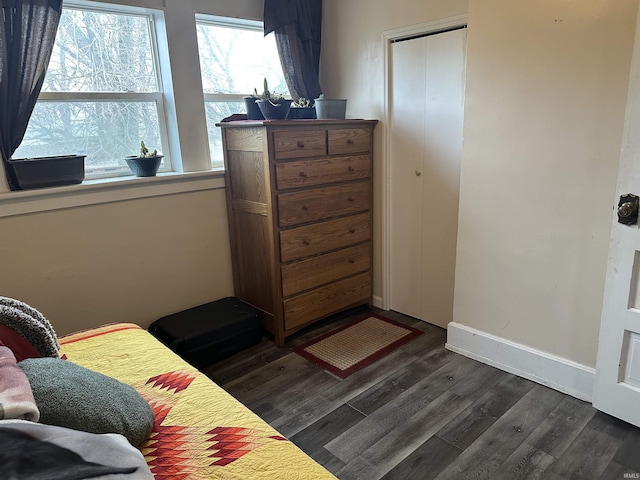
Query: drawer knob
{"points": [[352, 260], [306, 242], [351, 169], [300, 144], [303, 174], [305, 207], [350, 141], [351, 199], [352, 230]]}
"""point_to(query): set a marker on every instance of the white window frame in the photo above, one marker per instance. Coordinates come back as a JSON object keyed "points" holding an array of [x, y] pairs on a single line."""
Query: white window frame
{"points": [[237, 23], [214, 20]]}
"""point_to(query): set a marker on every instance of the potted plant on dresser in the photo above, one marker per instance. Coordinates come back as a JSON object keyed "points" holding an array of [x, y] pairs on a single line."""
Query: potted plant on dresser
{"points": [[253, 110], [146, 164], [302, 109], [331, 107], [273, 105]]}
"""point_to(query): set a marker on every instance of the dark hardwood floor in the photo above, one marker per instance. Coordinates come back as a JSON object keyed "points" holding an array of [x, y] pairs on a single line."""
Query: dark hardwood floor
{"points": [[423, 412]]}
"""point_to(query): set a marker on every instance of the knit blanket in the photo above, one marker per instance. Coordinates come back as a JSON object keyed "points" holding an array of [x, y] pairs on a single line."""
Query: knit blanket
{"points": [[16, 396], [30, 324]]}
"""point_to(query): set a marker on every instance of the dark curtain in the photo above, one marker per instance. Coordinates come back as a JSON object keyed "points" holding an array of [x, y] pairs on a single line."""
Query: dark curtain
{"points": [[27, 32], [297, 25]]}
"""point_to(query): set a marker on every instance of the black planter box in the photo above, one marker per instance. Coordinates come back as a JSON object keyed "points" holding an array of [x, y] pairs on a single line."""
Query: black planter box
{"points": [[41, 172], [301, 113]]}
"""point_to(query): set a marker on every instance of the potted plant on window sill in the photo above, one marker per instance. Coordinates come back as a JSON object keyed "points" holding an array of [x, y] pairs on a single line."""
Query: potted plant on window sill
{"points": [[146, 164], [273, 105], [42, 172]]}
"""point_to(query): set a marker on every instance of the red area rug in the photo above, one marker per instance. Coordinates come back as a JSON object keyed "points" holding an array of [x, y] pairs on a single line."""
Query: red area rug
{"points": [[349, 348]]}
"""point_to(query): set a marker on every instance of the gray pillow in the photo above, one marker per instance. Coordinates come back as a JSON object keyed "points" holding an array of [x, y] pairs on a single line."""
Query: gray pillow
{"points": [[72, 396]]}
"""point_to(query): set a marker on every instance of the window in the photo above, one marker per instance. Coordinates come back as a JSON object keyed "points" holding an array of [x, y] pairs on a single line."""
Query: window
{"points": [[102, 93], [235, 57]]}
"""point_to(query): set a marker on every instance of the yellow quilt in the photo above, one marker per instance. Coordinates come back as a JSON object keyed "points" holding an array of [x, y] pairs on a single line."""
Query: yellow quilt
{"points": [[200, 431]]}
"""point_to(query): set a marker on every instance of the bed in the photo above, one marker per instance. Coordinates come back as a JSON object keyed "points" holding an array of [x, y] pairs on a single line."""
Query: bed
{"points": [[199, 431]]}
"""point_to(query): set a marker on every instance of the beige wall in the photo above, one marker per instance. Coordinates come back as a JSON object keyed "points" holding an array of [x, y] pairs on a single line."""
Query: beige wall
{"points": [[352, 67], [546, 93], [131, 261], [546, 90]]}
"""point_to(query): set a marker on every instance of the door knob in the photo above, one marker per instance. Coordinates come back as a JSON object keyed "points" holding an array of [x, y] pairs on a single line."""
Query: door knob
{"points": [[418, 173], [628, 209]]}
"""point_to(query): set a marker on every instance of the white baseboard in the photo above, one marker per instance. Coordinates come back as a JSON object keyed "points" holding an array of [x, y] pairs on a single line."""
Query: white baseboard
{"points": [[555, 372], [377, 302]]}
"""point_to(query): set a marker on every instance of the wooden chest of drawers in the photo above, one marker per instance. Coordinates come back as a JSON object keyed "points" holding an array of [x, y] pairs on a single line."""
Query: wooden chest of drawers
{"points": [[299, 197]]}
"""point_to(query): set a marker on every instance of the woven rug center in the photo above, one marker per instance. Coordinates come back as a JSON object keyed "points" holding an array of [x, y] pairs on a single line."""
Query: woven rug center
{"points": [[354, 344], [350, 348]]}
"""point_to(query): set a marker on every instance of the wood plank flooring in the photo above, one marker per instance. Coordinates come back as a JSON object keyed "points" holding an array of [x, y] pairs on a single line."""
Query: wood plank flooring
{"points": [[423, 412]]}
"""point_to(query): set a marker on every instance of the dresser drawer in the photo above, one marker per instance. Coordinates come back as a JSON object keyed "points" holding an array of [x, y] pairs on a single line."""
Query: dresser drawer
{"points": [[299, 143], [321, 237], [321, 170], [324, 301], [348, 140], [316, 271], [320, 203]]}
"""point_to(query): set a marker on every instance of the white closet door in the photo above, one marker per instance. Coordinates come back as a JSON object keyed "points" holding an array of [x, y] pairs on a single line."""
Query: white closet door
{"points": [[408, 100], [427, 96]]}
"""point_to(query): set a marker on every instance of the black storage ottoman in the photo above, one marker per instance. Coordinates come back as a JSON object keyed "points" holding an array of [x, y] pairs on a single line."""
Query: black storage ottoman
{"points": [[210, 332]]}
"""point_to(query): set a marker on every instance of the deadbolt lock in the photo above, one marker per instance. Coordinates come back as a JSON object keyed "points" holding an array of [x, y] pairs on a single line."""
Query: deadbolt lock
{"points": [[628, 209]]}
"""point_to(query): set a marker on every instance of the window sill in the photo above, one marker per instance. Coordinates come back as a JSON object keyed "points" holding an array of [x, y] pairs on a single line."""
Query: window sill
{"points": [[107, 190]]}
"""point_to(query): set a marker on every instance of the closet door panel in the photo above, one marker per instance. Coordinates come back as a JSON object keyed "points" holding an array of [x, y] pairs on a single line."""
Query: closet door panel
{"points": [[444, 83], [427, 95], [408, 97]]}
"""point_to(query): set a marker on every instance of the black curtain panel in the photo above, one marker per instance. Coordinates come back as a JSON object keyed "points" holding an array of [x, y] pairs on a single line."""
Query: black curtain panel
{"points": [[297, 26], [27, 32]]}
